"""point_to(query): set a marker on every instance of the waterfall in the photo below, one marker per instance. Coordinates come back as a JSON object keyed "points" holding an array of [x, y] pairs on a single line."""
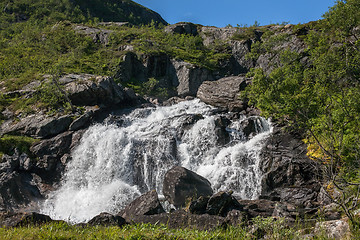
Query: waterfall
{"points": [[129, 155]]}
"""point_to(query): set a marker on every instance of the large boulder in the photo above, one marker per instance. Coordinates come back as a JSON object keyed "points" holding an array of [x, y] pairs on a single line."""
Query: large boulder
{"points": [[90, 90], [181, 184], [146, 204], [224, 93], [221, 203]]}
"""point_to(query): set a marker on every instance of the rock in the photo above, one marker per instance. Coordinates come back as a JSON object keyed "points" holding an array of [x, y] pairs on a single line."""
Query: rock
{"points": [[90, 90], [82, 121], [330, 212], [40, 126], [199, 205], [98, 35], [146, 204], [53, 126], [181, 184], [17, 190], [285, 164], [236, 218], [181, 219], [221, 203], [182, 28], [224, 93], [255, 208], [336, 229], [21, 219], [107, 220], [189, 77]]}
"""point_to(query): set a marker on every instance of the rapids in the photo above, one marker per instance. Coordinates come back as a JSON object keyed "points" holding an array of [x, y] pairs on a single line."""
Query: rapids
{"points": [[129, 154]]}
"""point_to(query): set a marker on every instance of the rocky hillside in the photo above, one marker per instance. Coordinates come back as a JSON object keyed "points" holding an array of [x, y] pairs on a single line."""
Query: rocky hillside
{"points": [[67, 66]]}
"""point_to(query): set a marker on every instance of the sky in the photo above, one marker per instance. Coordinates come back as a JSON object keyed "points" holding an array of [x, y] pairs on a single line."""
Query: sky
{"points": [[220, 13]]}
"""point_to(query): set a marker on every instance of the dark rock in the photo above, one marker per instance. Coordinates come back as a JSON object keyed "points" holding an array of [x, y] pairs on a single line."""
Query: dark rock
{"points": [[40, 126], [51, 127], [106, 219], [82, 121], [221, 203], [17, 190], [181, 219], [285, 164], [182, 28], [146, 204], [224, 93], [21, 219], [199, 205], [255, 208], [181, 184]]}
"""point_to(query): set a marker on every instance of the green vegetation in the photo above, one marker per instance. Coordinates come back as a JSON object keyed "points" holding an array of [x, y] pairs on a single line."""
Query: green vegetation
{"points": [[272, 229], [321, 101], [8, 143]]}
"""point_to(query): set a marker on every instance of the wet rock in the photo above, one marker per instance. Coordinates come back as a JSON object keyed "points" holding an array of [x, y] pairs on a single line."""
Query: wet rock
{"points": [[107, 220], [181, 184], [146, 204], [336, 229], [221, 203], [224, 93], [181, 219]]}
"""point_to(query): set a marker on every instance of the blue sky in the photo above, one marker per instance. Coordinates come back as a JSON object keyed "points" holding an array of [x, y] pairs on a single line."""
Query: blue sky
{"points": [[223, 12]]}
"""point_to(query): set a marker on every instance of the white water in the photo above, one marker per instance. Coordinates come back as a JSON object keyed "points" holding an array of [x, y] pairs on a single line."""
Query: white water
{"points": [[114, 164]]}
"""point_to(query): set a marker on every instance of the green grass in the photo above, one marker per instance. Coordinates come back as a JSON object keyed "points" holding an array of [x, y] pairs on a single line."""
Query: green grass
{"points": [[8, 143], [267, 228]]}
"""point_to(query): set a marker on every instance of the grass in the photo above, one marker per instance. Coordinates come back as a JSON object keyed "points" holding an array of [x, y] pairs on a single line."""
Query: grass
{"points": [[265, 228], [9, 142]]}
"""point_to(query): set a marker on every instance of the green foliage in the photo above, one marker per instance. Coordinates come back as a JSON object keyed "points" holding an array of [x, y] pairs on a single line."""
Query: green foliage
{"points": [[321, 101], [8, 143]]}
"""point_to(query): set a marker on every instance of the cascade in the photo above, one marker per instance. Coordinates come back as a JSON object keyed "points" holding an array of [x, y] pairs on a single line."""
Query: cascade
{"points": [[129, 154]]}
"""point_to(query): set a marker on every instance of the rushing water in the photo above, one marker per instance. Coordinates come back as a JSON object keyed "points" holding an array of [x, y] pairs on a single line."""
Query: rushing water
{"points": [[128, 155]]}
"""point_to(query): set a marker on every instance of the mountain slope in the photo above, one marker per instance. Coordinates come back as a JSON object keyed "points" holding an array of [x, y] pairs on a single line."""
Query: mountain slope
{"points": [[78, 11]]}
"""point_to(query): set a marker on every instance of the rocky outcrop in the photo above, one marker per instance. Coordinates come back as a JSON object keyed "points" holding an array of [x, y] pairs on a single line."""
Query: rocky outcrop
{"points": [[181, 184], [90, 90], [224, 93], [97, 34], [336, 229], [182, 28], [289, 175], [146, 204]]}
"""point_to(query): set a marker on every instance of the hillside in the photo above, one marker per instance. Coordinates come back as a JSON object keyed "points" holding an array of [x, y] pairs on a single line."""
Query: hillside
{"points": [[78, 11], [66, 65]]}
